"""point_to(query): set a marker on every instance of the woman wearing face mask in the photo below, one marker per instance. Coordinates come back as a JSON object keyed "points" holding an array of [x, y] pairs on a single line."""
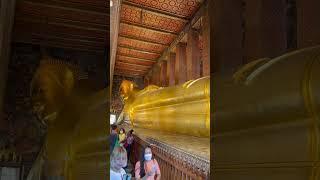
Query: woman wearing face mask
{"points": [[122, 136], [147, 168], [118, 160]]}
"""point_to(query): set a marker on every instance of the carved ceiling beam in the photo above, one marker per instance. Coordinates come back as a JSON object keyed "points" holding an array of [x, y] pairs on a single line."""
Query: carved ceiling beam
{"points": [[154, 10], [138, 49], [148, 27], [133, 57], [131, 64], [127, 74], [120, 68], [143, 40]]}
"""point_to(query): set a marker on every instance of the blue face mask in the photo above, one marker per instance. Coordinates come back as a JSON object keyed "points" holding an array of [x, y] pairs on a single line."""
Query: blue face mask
{"points": [[147, 157]]}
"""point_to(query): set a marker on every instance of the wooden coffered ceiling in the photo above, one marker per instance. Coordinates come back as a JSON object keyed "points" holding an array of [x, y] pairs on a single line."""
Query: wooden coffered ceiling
{"points": [[81, 25], [147, 29]]}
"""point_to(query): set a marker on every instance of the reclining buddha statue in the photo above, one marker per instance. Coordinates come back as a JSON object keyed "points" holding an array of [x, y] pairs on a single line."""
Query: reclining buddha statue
{"points": [[182, 109], [75, 144], [266, 119]]}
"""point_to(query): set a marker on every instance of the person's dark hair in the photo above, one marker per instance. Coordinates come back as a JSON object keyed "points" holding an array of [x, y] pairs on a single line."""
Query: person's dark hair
{"points": [[113, 127], [124, 131], [131, 131], [142, 170]]}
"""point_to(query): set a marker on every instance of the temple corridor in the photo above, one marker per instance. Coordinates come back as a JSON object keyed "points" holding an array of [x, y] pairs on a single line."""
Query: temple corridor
{"points": [[160, 68], [261, 59], [160, 89]]}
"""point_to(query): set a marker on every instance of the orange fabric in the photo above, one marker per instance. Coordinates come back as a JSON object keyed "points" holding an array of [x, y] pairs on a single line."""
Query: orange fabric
{"points": [[152, 168]]}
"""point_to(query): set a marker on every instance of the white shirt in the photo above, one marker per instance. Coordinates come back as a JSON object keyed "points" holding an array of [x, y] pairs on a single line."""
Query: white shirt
{"points": [[117, 175]]}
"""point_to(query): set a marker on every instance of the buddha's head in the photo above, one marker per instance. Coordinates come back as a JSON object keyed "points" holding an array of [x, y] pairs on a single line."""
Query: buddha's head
{"points": [[126, 89], [52, 84]]}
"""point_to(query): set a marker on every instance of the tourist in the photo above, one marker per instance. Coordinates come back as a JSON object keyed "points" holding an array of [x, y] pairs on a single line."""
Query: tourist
{"points": [[118, 160], [122, 136], [147, 168], [129, 142], [113, 137]]}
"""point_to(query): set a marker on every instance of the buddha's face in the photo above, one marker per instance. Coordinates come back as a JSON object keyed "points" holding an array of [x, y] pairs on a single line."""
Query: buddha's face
{"points": [[126, 88], [50, 88]]}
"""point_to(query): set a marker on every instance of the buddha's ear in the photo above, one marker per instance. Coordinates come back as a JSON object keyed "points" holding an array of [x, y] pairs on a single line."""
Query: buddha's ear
{"points": [[131, 86]]}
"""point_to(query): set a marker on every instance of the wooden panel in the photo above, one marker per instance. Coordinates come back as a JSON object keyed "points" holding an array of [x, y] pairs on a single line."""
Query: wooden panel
{"points": [[40, 37], [42, 10], [98, 3], [59, 43], [97, 6], [64, 22], [137, 54], [141, 45], [58, 30], [74, 24], [92, 3], [134, 61], [146, 34]]}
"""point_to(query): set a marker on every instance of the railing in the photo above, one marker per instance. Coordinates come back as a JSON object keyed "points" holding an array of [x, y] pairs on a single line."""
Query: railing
{"points": [[174, 163]]}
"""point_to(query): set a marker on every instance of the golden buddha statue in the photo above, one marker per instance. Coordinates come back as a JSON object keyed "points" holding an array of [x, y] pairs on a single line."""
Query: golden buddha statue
{"points": [[182, 109], [75, 120]]}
